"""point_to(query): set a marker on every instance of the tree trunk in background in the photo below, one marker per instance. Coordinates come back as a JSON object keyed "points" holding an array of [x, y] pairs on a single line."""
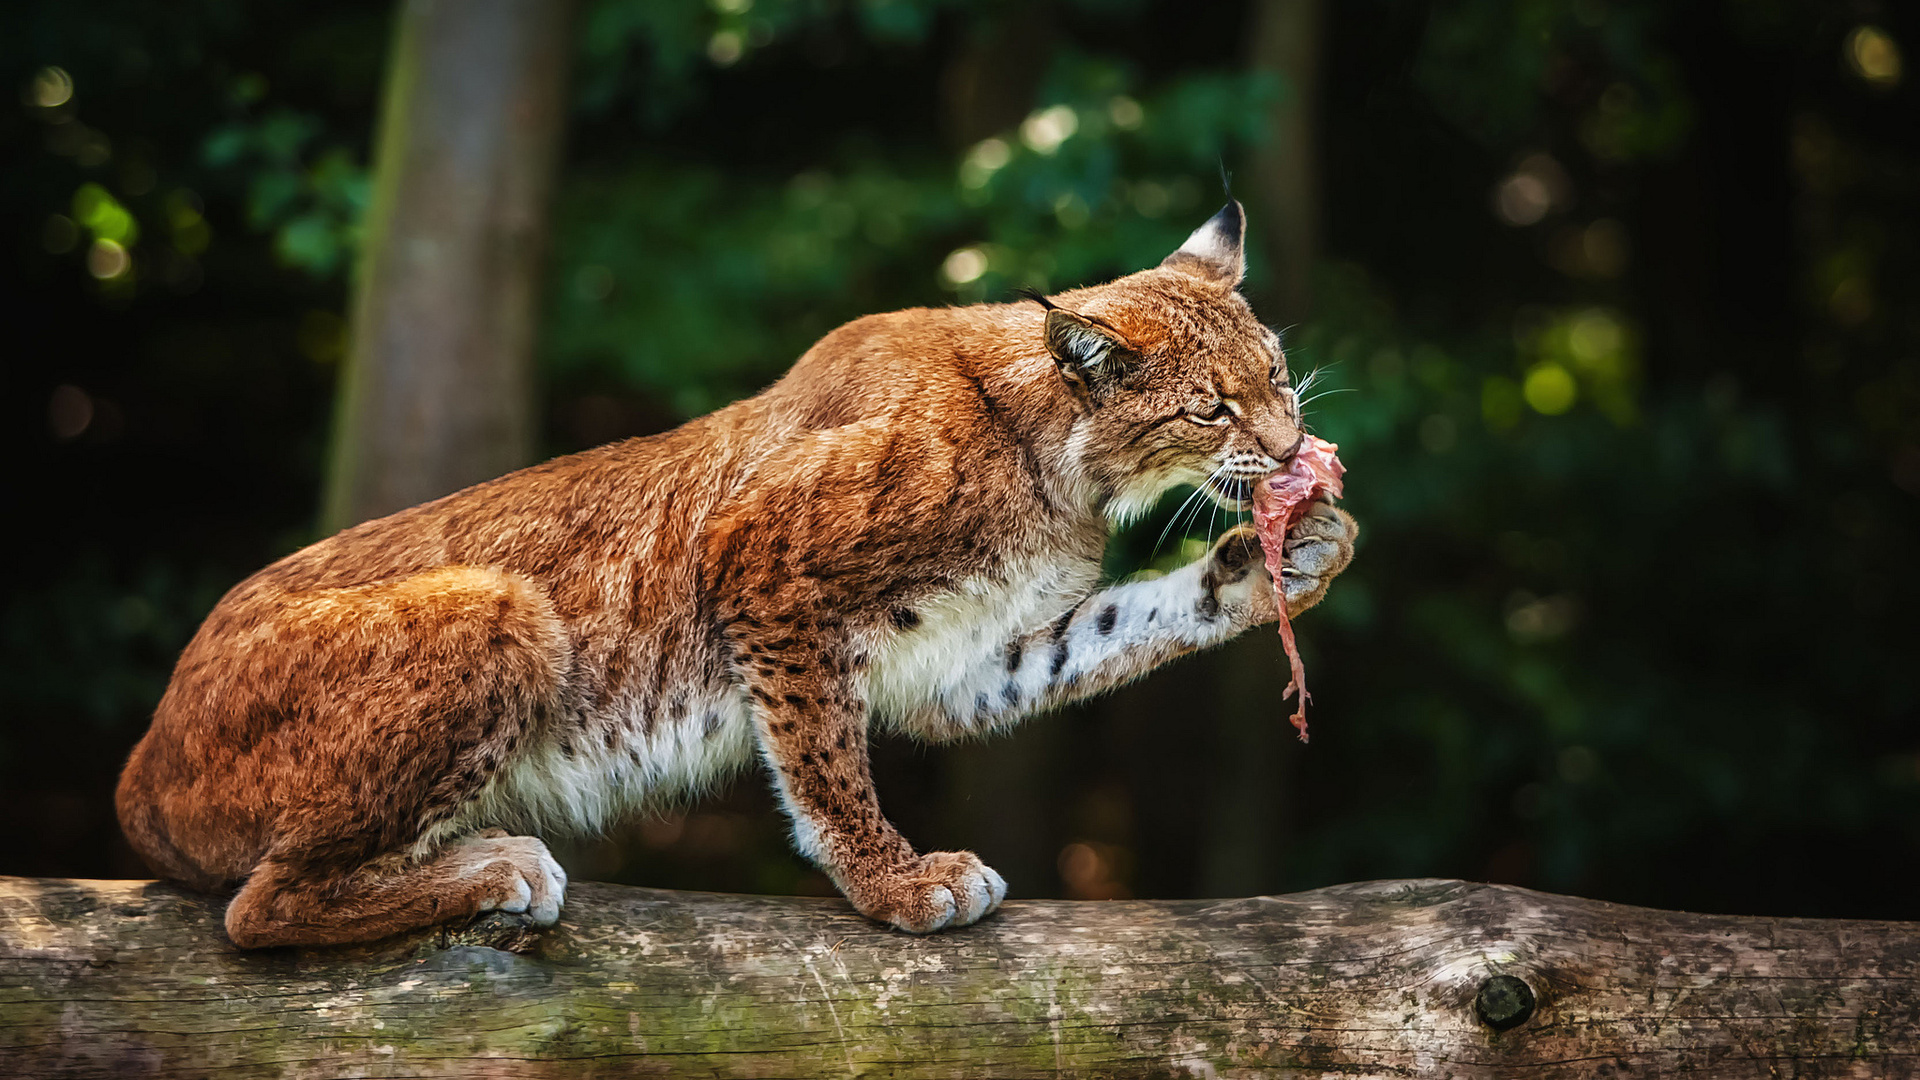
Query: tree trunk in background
{"points": [[438, 389], [1285, 192]]}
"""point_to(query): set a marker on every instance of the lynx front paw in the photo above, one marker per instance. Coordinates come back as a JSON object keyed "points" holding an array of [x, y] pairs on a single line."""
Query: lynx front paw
{"points": [[939, 890], [1318, 547], [513, 874]]}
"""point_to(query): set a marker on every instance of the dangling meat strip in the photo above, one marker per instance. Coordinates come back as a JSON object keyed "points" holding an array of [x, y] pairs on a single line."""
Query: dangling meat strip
{"points": [[1279, 502]]}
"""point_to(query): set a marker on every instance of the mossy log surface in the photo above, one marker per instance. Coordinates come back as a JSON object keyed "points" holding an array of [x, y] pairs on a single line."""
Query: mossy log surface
{"points": [[131, 979]]}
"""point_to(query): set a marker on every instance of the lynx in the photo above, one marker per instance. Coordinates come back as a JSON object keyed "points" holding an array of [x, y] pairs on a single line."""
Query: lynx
{"points": [[904, 532]]}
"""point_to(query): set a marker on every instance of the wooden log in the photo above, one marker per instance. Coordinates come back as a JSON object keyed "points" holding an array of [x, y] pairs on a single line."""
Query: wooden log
{"points": [[132, 979]]}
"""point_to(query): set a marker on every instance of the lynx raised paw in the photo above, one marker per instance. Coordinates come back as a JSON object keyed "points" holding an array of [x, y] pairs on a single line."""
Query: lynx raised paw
{"points": [[1318, 547], [939, 890], [515, 874]]}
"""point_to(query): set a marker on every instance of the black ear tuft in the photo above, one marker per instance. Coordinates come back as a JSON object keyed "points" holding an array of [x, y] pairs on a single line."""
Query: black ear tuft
{"points": [[1217, 249], [1034, 295], [1090, 355]]}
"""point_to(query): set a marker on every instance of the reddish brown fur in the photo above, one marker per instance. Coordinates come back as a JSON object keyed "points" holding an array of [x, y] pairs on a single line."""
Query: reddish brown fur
{"points": [[345, 716]]}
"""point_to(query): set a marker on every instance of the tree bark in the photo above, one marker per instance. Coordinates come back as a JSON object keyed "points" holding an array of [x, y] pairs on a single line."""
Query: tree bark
{"points": [[438, 389], [129, 979]]}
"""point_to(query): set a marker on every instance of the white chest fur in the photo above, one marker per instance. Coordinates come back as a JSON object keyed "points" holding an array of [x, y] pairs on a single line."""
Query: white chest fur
{"points": [[957, 630]]}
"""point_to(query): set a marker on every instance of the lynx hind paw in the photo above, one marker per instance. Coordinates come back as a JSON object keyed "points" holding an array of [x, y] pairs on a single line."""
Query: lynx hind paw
{"points": [[946, 889], [518, 874]]}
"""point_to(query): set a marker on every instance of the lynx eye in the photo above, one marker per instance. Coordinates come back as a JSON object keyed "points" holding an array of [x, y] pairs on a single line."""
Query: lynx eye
{"points": [[1211, 415]]}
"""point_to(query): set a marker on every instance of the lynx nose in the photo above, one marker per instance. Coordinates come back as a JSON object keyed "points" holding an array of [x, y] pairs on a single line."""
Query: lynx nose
{"points": [[1286, 459]]}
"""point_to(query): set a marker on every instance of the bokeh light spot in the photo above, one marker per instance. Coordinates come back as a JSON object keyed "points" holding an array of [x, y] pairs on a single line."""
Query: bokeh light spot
{"points": [[1874, 56], [1595, 338], [725, 46], [69, 412], [1522, 200], [108, 260], [1093, 871], [51, 88], [1535, 187], [103, 215], [987, 157], [964, 265], [1125, 112], [1533, 618], [1045, 130], [1549, 389]]}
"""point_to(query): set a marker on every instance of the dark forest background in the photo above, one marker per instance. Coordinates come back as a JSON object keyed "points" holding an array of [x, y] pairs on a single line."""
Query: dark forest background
{"points": [[1625, 293]]}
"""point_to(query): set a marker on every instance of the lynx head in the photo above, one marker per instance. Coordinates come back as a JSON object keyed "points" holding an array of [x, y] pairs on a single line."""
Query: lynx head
{"points": [[1175, 380]]}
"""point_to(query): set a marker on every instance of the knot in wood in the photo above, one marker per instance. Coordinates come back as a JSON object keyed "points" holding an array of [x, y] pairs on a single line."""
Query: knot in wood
{"points": [[1504, 1002]]}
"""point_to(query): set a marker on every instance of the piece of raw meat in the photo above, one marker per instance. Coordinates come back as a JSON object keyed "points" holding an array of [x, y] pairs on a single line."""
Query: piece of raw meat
{"points": [[1279, 502]]}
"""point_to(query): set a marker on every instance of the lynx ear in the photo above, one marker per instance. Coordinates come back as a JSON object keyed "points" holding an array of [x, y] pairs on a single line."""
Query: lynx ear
{"points": [[1091, 358], [1216, 250]]}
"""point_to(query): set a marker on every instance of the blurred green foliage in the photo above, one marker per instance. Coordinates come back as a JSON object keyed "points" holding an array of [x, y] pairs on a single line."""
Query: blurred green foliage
{"points": [[311, 200], [1616, 323]]}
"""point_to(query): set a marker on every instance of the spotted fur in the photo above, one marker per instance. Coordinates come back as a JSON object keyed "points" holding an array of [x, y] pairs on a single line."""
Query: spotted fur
{"points": [[906, 530]]}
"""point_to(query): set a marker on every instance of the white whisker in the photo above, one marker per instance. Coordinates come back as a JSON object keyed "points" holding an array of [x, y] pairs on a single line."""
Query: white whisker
{"points": [[1324, 393], [1174, 520], [1194, 512]]}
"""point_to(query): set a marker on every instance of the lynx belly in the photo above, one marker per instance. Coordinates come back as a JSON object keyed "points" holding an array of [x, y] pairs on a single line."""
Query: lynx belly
{"points": [[594, 777], [926, 665]]}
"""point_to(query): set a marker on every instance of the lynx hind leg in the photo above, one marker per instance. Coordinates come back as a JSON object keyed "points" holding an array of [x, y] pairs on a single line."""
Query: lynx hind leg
{"points": [[418, 693], [282, 904]]}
